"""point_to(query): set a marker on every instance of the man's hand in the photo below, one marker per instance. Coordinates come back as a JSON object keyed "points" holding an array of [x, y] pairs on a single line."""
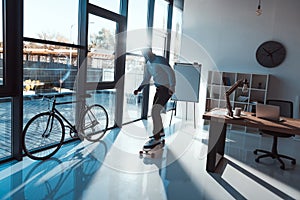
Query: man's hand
{"points": [[135, 92]]}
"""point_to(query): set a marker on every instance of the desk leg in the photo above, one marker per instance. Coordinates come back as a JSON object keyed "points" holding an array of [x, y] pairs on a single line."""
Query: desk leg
{"points": [[216, 144]]}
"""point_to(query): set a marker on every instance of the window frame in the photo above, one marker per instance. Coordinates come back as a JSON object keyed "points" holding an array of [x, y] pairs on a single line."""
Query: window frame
{"points": [[13, 38]]}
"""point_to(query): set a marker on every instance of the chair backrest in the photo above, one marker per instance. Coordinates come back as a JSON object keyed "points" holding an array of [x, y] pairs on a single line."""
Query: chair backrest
{"points": [[286, 107]]}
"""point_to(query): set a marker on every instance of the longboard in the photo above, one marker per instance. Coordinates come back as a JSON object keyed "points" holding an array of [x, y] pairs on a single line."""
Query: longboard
{"points": [[151, 151]]}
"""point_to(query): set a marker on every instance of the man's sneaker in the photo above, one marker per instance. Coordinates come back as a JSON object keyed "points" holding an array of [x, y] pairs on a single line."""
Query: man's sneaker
{"points": [[152, 143], [161, 134]]}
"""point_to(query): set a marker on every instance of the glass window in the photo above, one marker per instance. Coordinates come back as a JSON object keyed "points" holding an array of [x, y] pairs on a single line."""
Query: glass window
{"points": [[137, 14], [5, 127], [53, 20], [137, 36], [160, 14], [47, 69], [159, 38], [1, 46], [176, 36], [112, 5], [134, 72], [101, 45], [106, 98]]}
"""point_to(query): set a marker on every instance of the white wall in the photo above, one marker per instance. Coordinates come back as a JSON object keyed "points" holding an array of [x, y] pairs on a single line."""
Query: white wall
{"points": [[225, 34]]}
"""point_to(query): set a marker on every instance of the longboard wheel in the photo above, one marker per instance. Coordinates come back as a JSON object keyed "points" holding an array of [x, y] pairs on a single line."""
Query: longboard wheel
{"points": [[141, 155]]}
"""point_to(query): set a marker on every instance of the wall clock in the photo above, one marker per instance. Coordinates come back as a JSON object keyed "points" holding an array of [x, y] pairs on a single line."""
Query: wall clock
{"points": [[270, 54]]}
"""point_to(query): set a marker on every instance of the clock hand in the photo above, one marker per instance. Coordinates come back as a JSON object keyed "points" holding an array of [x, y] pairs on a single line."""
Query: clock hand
{"points": [[276, 50], [267, 51]]}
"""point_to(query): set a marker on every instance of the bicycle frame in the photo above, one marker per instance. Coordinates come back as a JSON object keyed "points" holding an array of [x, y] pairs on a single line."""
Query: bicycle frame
{"points": [[54, 110]]}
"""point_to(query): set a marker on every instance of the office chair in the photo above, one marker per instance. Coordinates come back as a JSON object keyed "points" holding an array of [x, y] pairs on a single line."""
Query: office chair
{"points": [[286, 110]]}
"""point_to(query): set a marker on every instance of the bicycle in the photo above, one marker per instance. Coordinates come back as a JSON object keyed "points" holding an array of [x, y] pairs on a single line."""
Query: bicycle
{"points": [[46, 130]]}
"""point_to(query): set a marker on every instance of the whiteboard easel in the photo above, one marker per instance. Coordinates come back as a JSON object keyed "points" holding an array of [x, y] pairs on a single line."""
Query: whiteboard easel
{"points": [[187, 85]]}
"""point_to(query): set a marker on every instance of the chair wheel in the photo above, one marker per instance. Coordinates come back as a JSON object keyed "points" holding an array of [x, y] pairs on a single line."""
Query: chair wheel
{"points": [[294, 162], [256, 160], [255, 152], [282, 167]]}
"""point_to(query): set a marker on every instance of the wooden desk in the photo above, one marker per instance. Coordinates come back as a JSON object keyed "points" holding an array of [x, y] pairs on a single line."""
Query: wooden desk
{"points": [[218, 126]]}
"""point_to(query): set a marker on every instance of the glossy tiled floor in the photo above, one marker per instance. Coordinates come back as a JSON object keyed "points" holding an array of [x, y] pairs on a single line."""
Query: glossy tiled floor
{"points": [[113, 169]]}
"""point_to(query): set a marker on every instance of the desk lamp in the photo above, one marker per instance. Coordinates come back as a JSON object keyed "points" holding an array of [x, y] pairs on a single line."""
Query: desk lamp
{"points": [[231, 90]]}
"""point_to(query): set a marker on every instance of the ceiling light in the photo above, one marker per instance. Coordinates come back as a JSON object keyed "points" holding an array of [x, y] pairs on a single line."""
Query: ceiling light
{"points": [[259, 11]]}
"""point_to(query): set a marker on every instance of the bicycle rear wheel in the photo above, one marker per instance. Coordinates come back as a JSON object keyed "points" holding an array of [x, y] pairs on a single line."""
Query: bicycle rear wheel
{"points": [[43, 135], [94, 123]]}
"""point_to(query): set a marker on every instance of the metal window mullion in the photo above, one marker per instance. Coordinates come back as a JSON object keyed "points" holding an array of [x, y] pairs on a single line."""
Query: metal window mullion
{"points": [[82, 55], [13, 64], [169, 30]]}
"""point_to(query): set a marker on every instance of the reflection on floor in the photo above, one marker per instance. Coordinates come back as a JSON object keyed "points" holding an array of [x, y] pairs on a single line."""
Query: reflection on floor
{"points": [[113, 169]]}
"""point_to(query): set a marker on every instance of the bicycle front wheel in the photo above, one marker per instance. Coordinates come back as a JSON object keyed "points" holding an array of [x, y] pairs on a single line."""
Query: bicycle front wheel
{"points": [[94, 123], [43, 135]]}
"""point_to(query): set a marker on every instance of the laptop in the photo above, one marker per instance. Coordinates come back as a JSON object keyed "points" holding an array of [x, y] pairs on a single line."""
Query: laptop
{"points": [[268, 112]]}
